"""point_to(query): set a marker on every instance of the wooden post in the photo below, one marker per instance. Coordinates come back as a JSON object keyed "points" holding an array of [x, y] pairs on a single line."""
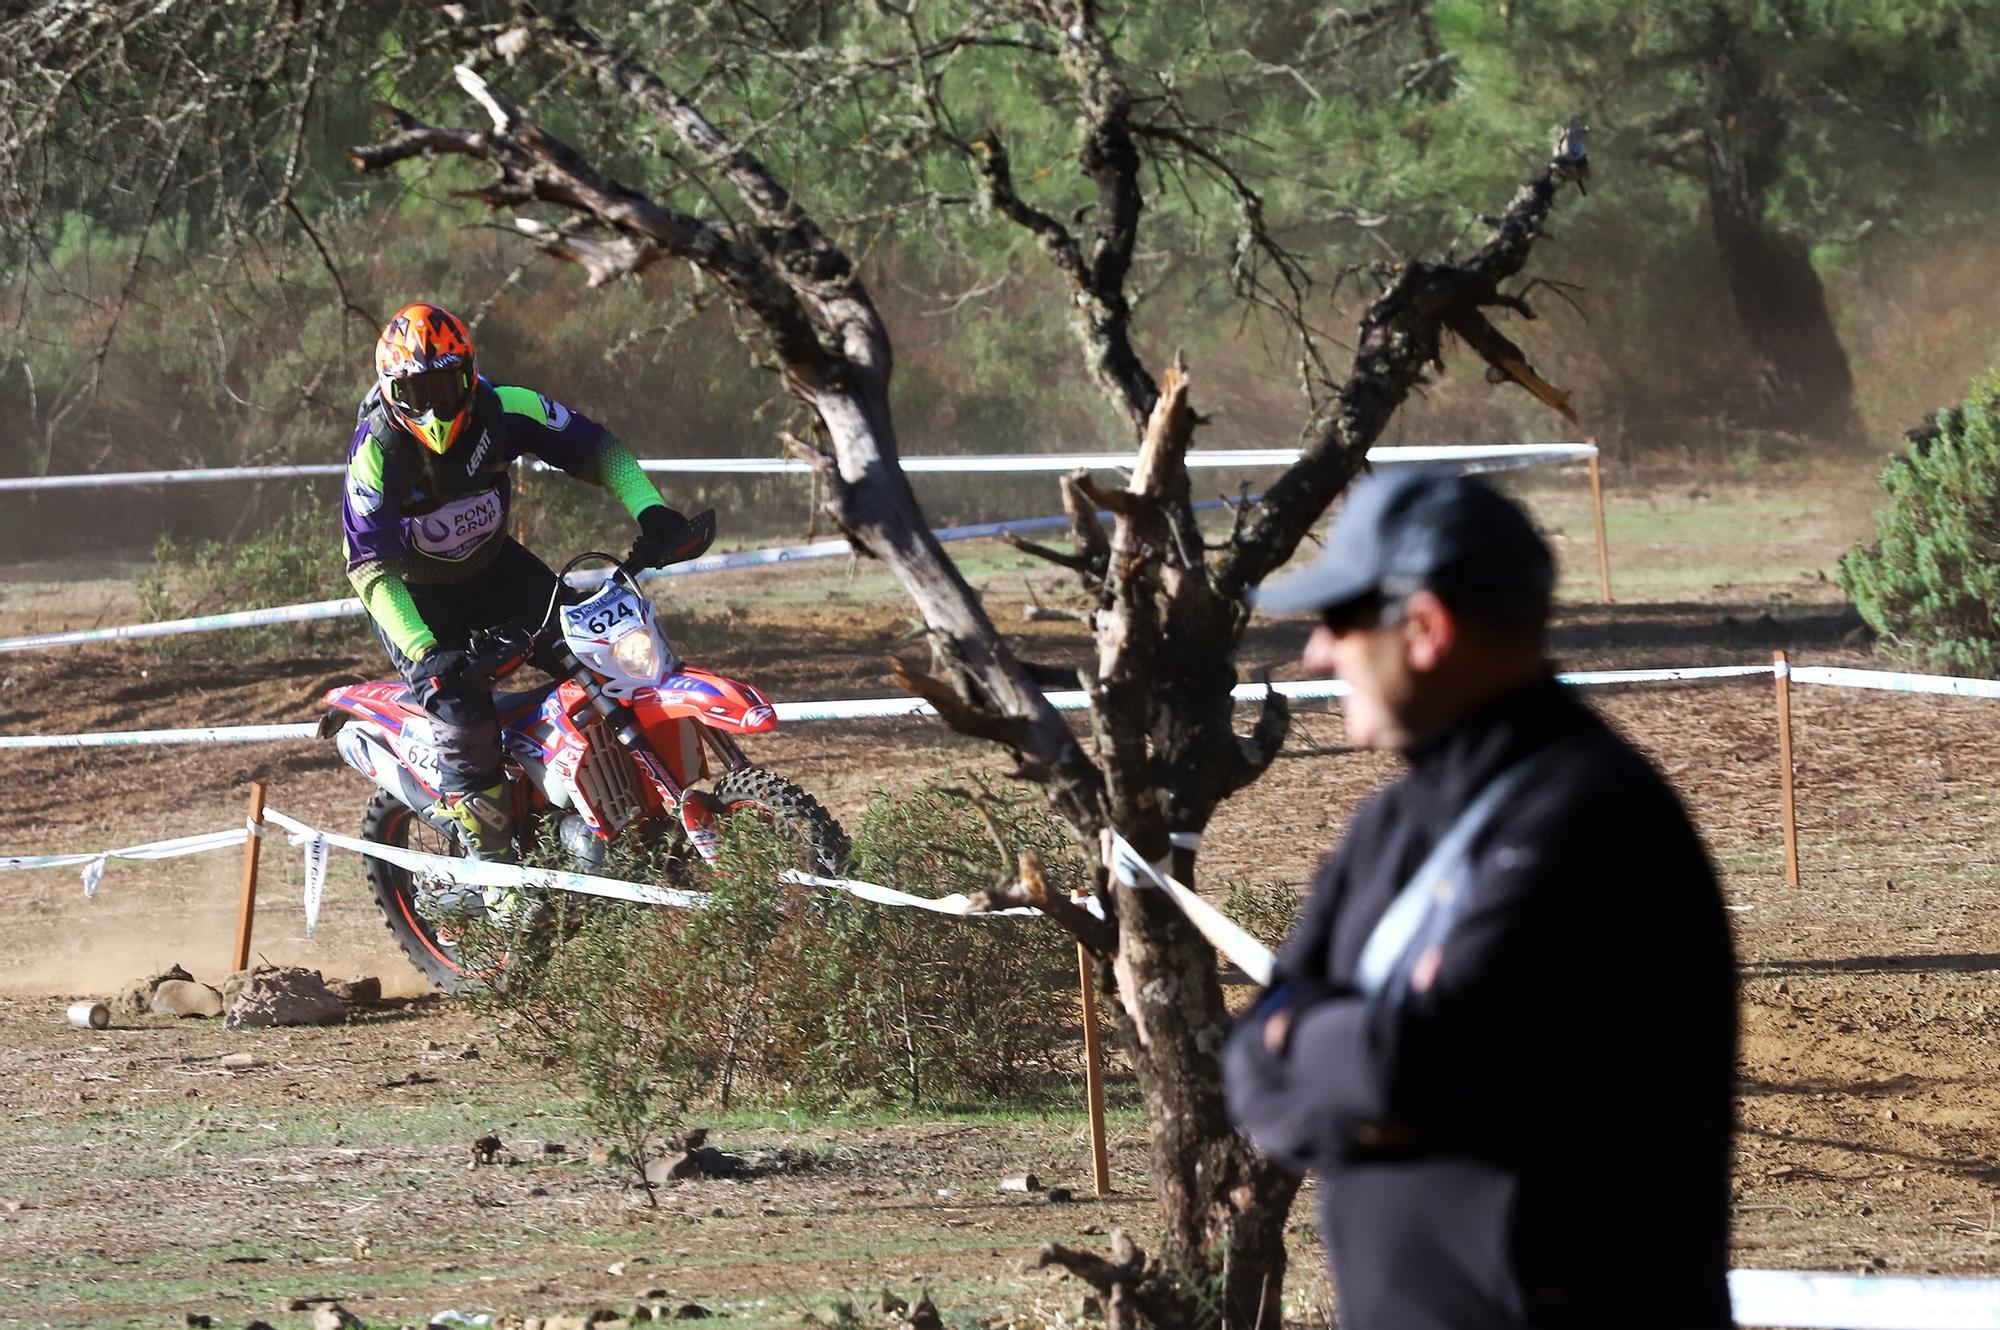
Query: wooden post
{"points": [[246, 905], [1781, 669], [1597, 504], [1093, 1073]]}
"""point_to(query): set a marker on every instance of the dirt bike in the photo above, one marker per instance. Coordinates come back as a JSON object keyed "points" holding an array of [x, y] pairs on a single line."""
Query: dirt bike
{"points": [[615, 744]]}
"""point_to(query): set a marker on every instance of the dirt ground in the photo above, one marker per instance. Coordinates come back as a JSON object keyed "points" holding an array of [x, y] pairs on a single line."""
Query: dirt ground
{"points": [[143, 1179]]}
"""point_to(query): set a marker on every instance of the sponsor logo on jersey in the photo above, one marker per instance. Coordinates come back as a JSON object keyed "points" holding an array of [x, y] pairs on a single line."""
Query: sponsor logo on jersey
{"points": [[454, 531], [362, 497], [479, 453], [554, 412]]}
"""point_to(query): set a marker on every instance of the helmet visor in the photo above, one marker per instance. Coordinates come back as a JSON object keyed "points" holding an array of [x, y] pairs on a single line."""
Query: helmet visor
{"points": [[442, 392]]}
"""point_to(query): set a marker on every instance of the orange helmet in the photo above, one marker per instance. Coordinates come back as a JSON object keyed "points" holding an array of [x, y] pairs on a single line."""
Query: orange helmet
{"points": [[423, 361]]}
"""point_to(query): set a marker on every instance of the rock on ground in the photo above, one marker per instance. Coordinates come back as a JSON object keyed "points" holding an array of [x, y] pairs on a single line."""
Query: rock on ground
{"points": [[358, 991], [280, 995], [185, 997], [136, 998]]}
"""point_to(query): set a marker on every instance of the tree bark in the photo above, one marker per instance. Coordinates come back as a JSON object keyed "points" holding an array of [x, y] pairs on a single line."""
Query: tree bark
{"points": [[1802, 370]]}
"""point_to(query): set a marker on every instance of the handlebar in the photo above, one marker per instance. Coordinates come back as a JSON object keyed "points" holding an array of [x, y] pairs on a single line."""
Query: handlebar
{"points": [[498, 652]]}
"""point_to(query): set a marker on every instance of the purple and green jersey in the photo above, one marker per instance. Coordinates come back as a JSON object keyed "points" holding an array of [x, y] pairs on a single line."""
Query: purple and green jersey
{"points": [[414, 516]]}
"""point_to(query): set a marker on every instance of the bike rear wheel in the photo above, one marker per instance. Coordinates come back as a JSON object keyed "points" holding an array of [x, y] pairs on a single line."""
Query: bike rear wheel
{"points": [[431, 947]]}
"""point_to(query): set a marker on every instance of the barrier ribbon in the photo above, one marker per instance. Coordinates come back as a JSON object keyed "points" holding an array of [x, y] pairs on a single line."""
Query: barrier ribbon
{"points": [[1474, 456], [93, 861], [855, 708], [1223, 933]]}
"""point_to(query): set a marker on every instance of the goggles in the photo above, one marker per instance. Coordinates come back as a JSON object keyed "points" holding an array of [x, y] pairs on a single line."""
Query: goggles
{"points": [[442, 392]]}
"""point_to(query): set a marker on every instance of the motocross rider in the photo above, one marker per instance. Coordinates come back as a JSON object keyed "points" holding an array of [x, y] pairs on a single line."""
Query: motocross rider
{"points": [[425, 517]]}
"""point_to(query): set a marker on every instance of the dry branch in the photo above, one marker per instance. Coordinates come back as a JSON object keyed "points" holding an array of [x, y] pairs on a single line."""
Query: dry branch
{"points": [[1401, 337]]}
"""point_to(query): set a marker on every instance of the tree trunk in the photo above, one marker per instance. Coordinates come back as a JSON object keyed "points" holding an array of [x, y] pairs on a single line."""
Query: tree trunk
{"points": [[1222, 1206], [1780, 304]]}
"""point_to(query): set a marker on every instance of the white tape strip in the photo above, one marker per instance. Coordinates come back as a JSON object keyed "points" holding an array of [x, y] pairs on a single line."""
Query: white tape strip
{"points": [[958, 904], [205, 623], [1251, 956], [1473, 456], [1819, 1301], [854, 708], [188, 476], [1888, 681], [158, 849], [1480, 456], [1687, 674], [481, 874], [349, 608], [93, 862], [207, 734]]}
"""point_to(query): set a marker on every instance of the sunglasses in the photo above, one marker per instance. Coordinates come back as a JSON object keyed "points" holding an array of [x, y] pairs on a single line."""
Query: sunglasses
{"points": [[1373, 610], [441, 392]]}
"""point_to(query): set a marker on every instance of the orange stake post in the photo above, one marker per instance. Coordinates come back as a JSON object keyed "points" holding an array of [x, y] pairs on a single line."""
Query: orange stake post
{"points": [[1781, 668], [1597, 505], [1093, 1073], [246, 906]]}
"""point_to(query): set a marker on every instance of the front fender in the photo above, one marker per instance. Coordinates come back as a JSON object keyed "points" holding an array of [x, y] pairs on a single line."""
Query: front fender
{"points": [[709, 699]]}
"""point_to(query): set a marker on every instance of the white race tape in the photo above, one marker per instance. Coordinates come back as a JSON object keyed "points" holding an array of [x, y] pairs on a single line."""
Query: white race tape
{"points": [[315, 843], [1470, 456], [189, 476], [1251, 956], [93, 862], [481, 874], [1947, 685], [1686, 674], [1823, 1301], [159, 849], [205, 623], [959, 904], [349, 608], [207, 734], [854, 708]]}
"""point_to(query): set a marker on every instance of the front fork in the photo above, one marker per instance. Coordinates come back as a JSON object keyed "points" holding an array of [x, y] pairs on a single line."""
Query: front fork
{"points": [[696, 809]]}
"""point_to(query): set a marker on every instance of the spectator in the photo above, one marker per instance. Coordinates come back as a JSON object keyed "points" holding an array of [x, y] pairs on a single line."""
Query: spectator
{"points": [[1503, 1030]]}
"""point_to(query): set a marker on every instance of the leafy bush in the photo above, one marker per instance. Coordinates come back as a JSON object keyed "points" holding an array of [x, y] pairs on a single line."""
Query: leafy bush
{"points": [[1265, 910], [296, 558], [785, 996], [1930, 581]]}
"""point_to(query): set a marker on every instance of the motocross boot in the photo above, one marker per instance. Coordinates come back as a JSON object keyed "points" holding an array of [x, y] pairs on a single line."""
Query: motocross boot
{"points": [[482, 821], [485, 827]]}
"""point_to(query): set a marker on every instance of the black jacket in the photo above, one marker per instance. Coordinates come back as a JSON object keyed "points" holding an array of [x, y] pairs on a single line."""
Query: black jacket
{"points": [[1540, 1136]]}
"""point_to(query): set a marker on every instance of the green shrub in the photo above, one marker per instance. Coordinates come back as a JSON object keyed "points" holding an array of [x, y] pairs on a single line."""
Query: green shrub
{"points": [[296, 558], [1264, 910], [1930, 581], [785, 996]]}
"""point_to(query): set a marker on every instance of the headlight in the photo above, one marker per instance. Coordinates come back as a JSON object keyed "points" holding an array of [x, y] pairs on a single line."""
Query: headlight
{"points": [[637, 655]]}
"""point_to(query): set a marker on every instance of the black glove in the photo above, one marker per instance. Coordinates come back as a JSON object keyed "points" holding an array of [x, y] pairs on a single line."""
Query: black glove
{"points": [[436, 668], [667, 536]]}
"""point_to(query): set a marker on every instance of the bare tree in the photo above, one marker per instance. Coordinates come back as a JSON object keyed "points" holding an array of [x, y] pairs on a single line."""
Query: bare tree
{"points": [[220, 108], [1163, 751]]}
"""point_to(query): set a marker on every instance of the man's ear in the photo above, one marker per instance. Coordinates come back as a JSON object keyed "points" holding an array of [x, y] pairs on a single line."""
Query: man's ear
{"points": [[1428, 628]]}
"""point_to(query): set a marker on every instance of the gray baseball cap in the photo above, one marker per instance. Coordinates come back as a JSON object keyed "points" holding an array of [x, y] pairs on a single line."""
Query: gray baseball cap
{"points": [[1404, 530]]}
